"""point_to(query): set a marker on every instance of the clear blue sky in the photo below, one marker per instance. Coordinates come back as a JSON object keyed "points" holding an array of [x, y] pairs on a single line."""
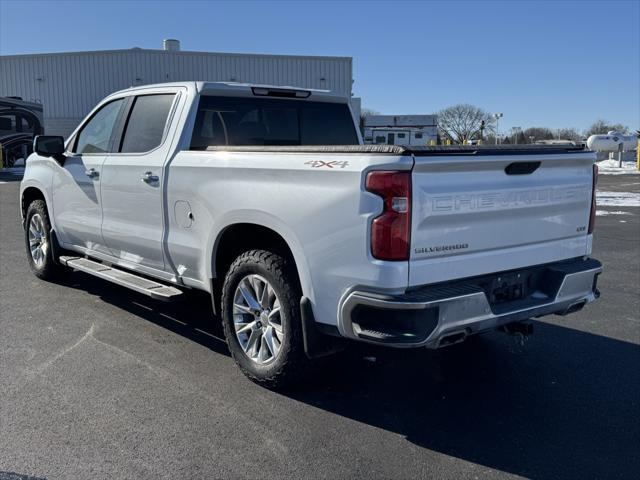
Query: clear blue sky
{"points": [[543, 63]]}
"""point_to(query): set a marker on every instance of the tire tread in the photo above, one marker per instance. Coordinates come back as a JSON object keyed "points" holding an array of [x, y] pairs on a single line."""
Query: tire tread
{"points": [[294, 363]]}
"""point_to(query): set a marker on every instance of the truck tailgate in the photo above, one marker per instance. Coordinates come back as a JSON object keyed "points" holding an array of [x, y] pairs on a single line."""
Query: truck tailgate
{"points": [[482, 213]]}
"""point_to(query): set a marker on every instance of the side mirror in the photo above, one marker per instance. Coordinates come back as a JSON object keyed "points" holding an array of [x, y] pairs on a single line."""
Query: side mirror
{"points": [[49, 146]]}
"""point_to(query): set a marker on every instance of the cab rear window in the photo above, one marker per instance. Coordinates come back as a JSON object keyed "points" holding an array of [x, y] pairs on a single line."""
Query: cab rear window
{"points": [[240, 121]]}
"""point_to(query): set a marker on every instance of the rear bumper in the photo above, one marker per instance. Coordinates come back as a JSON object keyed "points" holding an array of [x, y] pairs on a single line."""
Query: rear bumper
{"points": [[436, 315]]}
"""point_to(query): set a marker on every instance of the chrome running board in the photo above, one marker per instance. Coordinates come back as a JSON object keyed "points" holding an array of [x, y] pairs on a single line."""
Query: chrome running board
{"points": [[153, 289]]}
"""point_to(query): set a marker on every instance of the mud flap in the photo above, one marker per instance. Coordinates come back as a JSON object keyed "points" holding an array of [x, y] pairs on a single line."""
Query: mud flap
{"points": [[316, 343]]}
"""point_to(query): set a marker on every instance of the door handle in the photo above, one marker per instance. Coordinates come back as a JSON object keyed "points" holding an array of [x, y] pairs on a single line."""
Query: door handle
{"points": [[149, 177], [92, 173]]}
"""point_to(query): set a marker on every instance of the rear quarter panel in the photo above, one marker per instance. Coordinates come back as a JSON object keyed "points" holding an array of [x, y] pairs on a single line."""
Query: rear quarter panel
{"points": [[321, 211]]}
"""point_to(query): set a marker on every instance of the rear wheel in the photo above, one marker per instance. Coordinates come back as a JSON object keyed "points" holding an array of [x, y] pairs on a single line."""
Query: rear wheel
{"points": [[37, 235], [261, 318]]}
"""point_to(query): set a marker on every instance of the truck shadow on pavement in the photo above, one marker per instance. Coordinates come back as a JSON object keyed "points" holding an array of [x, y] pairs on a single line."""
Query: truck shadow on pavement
{"points": [[565, 404], [196, 322]]}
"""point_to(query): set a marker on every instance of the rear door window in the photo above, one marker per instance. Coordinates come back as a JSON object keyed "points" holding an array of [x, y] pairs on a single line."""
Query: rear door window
{"points": [[146, 123], [266, 121]]}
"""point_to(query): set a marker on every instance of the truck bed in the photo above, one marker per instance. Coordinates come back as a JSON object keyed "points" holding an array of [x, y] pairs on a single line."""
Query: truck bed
{"points": [[476, 150]]}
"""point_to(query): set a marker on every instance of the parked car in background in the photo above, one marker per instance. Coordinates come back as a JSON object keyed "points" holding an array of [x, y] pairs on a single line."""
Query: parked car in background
{"points": [[265, 198], [20, 122]]}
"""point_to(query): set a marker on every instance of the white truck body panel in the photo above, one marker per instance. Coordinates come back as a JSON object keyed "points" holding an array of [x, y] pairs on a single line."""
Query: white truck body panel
{"points": [[469, 218], [123, 185], [76, 201]]}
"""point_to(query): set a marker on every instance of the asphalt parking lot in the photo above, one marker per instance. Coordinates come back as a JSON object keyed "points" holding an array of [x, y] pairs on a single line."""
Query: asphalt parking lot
{"points": [[99, 382]]}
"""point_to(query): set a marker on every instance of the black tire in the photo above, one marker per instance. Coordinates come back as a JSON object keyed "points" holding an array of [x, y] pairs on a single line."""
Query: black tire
{"points": [[46, 269], [290, 364]]}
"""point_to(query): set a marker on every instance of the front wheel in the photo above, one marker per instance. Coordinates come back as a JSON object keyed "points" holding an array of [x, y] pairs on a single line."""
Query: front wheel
{"points": [[37, 236], [261, 318]]}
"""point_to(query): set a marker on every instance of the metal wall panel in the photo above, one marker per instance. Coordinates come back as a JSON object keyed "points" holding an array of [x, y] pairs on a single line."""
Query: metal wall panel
{"points": [[70, 84]]}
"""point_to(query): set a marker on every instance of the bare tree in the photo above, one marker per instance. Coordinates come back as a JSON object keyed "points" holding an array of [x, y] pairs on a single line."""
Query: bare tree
{"points": [[462, 122], [365, 112], [600, 127], [569, 134], [535, 134]]}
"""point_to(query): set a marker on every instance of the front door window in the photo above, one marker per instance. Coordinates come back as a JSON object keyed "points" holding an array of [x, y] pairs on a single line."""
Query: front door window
{"points": [[95, 136]]}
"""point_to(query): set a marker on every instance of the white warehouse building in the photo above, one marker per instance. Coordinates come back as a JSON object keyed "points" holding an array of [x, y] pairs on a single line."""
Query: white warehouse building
{"points": [[68, 85]]}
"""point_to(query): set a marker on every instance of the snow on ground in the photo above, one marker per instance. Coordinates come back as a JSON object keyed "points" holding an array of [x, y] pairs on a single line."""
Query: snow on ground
{"points": [[610, 167], [600, 213], [617, 199]]}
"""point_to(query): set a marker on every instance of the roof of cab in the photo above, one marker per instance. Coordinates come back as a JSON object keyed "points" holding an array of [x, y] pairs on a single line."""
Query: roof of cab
{"points": [[210, 88], [243, 89]]}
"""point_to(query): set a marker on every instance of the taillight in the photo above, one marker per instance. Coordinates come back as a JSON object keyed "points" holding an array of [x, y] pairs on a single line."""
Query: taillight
{"points": [[592, 217], [391, 230]]}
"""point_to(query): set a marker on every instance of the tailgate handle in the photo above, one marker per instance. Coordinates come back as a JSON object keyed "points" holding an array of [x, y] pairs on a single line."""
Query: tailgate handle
{"points": [[521, 168]]}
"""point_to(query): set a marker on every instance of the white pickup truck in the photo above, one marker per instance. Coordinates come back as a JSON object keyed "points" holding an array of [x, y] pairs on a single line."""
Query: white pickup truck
{"points": [[265, 198]]}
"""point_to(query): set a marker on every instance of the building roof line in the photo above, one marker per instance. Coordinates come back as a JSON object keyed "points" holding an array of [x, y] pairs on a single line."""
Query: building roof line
{"points": [[180, 52]]}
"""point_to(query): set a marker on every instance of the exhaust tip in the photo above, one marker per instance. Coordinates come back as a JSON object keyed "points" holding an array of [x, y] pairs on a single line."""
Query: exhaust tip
{"points": [[574, 307], [452, 338]]}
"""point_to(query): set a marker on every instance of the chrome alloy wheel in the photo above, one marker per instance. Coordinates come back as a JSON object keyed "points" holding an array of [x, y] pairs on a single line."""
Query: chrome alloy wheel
{"points": [[38, 244], [257, 319]]}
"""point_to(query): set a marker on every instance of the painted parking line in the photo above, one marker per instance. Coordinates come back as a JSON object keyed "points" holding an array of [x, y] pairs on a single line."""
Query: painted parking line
{"points": [[603, 213]]}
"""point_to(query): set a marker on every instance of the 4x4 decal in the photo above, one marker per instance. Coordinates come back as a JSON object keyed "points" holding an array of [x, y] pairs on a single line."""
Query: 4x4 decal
{"points": [[331, 164]]}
